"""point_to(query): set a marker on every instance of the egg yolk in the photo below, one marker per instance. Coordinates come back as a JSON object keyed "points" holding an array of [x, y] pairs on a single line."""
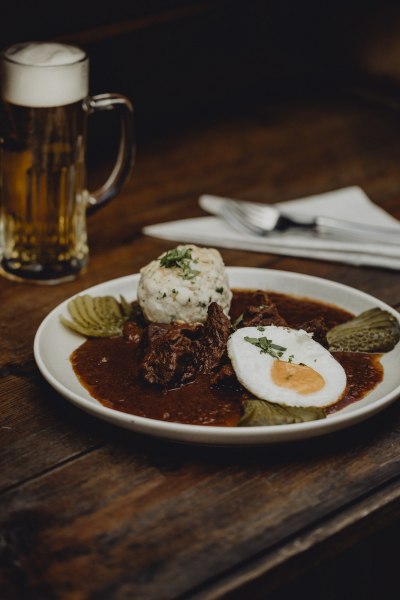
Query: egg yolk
{"points": [[300, 378]]}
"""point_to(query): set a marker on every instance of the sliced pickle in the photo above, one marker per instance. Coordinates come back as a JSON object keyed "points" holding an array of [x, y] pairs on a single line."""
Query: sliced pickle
{"points": [[374, 330], [99, 316], [127, 308], [262, 412]]}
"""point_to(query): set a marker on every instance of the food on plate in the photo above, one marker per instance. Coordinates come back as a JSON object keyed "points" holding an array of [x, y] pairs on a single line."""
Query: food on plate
{"points": [[285, 365], [181, 283], [101, 316], [248, 358], [261, 412], [374, 330]]}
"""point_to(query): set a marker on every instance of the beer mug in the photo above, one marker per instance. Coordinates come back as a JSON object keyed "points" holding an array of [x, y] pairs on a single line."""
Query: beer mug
{"points": [[43, 196]]}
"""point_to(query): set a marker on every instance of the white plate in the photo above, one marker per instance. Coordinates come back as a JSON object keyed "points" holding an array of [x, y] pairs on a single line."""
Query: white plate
{"points": [[54, 344]]}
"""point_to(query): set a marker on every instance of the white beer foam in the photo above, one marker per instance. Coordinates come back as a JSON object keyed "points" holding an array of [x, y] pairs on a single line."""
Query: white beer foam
{"points": [[44, 74]]}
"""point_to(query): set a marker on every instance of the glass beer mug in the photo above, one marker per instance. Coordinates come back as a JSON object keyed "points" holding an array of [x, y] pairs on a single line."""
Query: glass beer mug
{"points": [[43, 195]]}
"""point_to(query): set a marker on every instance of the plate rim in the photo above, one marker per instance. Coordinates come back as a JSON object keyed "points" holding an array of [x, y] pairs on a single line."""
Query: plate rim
{"points": [[205, 434]]}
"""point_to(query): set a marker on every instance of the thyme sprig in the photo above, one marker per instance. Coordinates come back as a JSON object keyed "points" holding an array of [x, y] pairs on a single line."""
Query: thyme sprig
{"points": [[267, 346], [180, 259]]}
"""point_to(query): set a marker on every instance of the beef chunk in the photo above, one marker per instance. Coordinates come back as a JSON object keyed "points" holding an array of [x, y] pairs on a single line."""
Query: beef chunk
{"points": [[169, 359], [212, 345], [262, 311], [155, 330], [318, 328], [189, 330], [175, 353], [224, 376], [132, 333]]}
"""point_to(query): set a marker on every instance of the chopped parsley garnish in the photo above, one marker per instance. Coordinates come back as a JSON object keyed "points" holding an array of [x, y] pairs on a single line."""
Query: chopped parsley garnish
{"points": [[266, 346], [180, 259], [236, 324]]}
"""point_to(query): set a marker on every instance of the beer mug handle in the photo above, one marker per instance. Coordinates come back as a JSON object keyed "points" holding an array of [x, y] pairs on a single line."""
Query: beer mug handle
{"points": [[126, 154]]}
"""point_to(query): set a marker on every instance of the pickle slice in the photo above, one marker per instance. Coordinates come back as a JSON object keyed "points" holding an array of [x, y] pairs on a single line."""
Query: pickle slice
{"points": [[261, 412], [374, 330], [99, 316]]}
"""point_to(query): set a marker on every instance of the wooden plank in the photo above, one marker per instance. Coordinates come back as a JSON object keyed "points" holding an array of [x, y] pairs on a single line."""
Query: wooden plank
{"points": [[147, 518], [363, 522], [39, 430]]}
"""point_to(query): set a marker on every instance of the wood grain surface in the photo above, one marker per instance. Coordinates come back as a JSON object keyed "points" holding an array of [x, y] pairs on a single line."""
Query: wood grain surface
{"points": [[92, 511]]}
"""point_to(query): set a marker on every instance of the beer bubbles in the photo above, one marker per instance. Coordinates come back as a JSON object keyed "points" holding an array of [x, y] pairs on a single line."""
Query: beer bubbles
{"points": [[44, 74]]}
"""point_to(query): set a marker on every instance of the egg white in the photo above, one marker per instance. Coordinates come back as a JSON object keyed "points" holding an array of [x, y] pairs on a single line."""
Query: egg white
{"points": [[253, 367]]}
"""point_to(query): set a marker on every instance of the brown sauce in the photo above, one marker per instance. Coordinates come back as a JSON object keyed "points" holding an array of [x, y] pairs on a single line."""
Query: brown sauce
{"points": [[109, 370]]}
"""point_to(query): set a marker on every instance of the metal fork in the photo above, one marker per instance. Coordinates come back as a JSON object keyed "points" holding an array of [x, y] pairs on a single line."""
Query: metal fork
{"points": [[264, 219]]}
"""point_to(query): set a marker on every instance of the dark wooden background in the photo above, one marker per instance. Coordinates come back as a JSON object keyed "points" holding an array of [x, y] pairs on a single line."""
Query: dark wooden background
{"points": [[182, 60]]}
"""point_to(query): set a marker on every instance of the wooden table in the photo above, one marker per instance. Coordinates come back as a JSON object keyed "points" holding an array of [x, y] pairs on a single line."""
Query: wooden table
{"points": [[92, 511]]}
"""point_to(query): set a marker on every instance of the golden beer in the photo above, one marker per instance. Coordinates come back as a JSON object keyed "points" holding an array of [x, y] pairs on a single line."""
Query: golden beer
{"points": [[43, 191], [43, 196]]}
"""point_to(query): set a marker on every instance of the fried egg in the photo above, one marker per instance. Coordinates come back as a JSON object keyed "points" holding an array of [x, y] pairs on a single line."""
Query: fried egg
{"points": [[286, 366]]}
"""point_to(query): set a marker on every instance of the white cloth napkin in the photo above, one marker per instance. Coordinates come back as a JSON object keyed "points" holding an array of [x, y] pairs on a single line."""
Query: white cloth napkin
{"points": [[350, 203]]}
